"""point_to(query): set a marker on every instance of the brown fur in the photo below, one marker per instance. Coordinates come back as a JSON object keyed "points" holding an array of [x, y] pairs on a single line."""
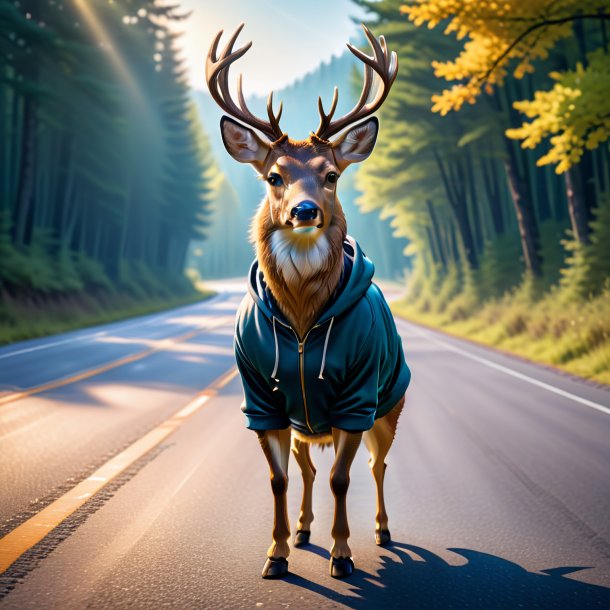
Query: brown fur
{"points": [[301, 301], [324, 439], [298, 173], [301, 298]]}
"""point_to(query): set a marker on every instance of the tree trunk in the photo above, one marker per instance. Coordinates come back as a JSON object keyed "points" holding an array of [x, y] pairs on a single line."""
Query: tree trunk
{"points": [[492, 191], [71, 220], [542, 195], [64, 185], [433, 246], [384, 253], [16, 141], [526, 219], [520, 194], [182, 252], [5, 146], [558, 197], [454, 247], [579, 216], [97, 247], [474, 203], [436, 233], [587, 180], [581, 39], [601, 169], [83, 217], [25, 188], [580, 185], [457, 201], [463, 224]]}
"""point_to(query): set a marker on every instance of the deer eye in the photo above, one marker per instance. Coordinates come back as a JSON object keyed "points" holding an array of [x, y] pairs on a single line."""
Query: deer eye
{"points": [[275, 179], [332, 177]]}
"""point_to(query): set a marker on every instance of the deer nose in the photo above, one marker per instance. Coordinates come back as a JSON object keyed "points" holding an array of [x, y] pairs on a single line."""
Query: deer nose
{"points": [[306, 210]]}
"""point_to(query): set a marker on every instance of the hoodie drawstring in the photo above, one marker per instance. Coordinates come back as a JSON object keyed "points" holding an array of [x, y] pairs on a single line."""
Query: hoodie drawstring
{"points": [[321, 375], [277, 351], [277, 354]]}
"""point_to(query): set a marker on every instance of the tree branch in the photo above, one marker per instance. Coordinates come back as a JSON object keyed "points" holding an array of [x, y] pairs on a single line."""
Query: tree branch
{"points": [[535, 27]]}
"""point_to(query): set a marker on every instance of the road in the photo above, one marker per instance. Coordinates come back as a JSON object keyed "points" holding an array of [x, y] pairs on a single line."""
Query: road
{"points": [[498, 484]]}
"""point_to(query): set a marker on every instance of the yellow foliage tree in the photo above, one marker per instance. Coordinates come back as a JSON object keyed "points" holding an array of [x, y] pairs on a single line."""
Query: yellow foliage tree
{"points": [[575, 112]]}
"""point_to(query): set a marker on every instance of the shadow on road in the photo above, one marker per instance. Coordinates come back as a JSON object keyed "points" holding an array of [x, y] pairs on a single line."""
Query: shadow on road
{"points": [[485, 581]]}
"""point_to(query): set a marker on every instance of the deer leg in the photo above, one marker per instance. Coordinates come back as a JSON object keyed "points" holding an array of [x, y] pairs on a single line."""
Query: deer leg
{"points": [[276, 447], [346, 444], [378, 441], [300, 450]]}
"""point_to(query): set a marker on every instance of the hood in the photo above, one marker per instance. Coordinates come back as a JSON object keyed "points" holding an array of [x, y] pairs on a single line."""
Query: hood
{"points": [[357, 275]]}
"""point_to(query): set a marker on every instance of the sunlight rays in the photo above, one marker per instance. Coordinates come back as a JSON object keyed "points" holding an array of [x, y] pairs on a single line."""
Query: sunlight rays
{"points": [[97, 28]]}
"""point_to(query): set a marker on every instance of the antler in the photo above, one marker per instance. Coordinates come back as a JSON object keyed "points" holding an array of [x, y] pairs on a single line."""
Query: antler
{"points": [[385, 67], [217, 77]]}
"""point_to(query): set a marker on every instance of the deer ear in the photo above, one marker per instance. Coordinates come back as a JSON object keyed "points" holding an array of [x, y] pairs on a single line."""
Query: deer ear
{"points": [[357, 143], [243, 144]]}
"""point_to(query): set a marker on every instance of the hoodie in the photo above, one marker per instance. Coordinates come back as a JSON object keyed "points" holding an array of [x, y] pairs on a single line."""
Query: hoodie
{"points": [[348, 371]]}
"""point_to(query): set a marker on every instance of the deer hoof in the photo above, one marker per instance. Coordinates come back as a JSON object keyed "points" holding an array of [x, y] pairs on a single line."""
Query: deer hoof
{"points": [[301, 538], [382, 537], [275, 568], [341, 567]]}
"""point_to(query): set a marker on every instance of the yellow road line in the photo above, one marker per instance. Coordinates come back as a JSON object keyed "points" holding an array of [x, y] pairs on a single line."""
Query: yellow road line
{"points": [[223, 381], [110, 365], [32, 531]]}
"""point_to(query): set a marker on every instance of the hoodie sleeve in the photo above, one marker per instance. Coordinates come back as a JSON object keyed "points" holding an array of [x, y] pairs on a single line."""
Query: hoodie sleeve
{"points": [[356, 405], [262, 406]]}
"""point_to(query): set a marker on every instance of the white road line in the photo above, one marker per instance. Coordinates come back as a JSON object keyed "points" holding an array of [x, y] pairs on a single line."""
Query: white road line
{"points": [[101, 333], [504, 369], [162, 344], [53, 344], [193, 406]]}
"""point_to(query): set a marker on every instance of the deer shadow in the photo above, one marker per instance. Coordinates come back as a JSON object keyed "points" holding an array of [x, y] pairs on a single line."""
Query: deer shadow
{"points": [[485, 581]]}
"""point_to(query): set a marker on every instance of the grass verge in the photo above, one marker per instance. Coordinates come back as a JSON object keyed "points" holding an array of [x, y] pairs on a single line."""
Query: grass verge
{"points": [[38, 316], [571, 335]]}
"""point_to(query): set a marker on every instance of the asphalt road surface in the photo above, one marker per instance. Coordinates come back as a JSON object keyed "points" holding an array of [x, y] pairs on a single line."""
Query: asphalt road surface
{"points": [[497, 487]]}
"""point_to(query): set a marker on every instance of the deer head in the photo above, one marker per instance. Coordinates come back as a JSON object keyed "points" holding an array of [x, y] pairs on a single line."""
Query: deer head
{"points": [[299, 229]]}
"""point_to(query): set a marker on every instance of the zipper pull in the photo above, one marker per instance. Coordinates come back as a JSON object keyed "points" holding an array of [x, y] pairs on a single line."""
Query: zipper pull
{"points": [[300, 347]]}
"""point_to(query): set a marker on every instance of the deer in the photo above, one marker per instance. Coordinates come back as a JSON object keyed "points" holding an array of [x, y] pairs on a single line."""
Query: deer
{"points": [[316, 345]]}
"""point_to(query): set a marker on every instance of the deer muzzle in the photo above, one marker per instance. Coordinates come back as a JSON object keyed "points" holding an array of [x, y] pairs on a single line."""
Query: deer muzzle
{"points": [[306, 217]]}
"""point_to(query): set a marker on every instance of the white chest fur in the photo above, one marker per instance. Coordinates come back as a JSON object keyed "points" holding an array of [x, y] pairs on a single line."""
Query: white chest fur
{"points": [[300, 258]]}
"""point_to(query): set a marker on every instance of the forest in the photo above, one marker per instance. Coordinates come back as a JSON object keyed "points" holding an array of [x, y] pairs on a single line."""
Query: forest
{"points": [[492, 169], [104, 170], [493, 161]]}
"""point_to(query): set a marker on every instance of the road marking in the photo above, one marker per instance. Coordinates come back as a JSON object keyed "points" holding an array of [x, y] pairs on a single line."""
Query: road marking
{"points": [[32, 531], [193, 406], [513, 373], [227, 378], [26, 350], [162, 344], [20, 430], [102, 333]]}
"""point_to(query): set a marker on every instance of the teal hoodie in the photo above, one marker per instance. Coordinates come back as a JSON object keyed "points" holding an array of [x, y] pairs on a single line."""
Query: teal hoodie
{"points": [[348, 370]]}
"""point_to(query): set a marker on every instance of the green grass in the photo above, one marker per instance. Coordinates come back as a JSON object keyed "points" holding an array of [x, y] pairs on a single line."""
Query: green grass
{"points": [[551, 328], [26, 318]]}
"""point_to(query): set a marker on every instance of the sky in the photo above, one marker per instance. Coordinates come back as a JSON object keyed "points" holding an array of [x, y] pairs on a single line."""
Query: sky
{"points": [[290, 37]]}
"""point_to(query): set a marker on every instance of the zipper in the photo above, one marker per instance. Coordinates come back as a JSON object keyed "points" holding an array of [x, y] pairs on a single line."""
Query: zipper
{"points": [[301, 348], [302, 375]]}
